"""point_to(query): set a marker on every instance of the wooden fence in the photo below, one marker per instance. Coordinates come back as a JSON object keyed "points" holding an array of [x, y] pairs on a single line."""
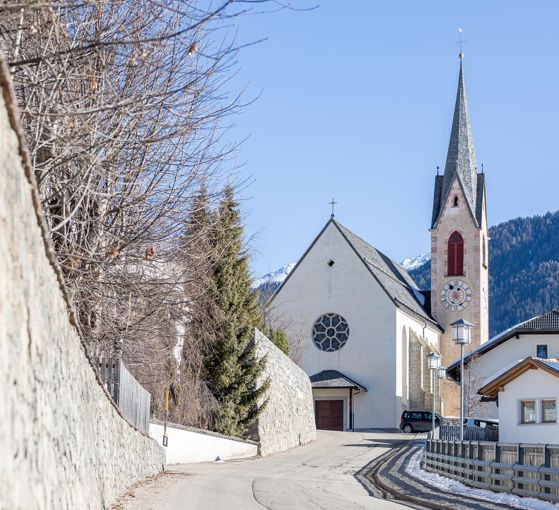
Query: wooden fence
{"points": [[128, 394], [523, 469]]}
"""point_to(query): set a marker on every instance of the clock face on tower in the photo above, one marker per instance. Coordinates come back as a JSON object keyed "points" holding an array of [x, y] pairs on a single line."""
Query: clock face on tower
{"points": [[456, 295]]}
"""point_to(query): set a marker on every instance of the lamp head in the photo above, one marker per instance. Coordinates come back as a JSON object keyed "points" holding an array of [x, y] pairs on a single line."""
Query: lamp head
{"points": [[433, 361], [462, 332]]}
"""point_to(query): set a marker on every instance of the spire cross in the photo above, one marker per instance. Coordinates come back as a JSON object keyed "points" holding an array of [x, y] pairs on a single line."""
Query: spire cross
{"points": [[333, 203]]}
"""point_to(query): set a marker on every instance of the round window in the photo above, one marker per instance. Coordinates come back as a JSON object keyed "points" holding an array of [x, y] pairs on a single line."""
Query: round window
{"points": [[330, 332]]}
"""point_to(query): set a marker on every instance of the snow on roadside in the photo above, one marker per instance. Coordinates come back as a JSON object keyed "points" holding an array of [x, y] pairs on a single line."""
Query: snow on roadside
{"points": [[449, 485]]}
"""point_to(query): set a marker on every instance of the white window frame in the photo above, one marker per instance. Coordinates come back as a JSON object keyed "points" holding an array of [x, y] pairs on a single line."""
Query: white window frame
{"points": [[538, 402]]}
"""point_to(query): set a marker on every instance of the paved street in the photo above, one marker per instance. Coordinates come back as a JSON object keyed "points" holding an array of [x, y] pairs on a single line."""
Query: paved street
{"points": [[319, 475]]}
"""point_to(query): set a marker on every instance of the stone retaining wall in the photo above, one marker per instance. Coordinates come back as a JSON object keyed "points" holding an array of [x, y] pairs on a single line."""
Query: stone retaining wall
{"points": [[288, 419], [63, 444]]}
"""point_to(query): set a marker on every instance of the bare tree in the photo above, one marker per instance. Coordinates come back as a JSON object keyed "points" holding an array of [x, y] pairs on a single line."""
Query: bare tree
{"points": [[124, 103]]}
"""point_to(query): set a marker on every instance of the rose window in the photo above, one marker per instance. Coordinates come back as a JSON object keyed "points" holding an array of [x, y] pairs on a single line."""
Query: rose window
{"points": [[330, 332]]}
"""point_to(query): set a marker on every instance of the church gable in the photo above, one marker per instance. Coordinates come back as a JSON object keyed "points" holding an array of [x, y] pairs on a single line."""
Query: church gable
{"points": [[328, 252], [392, 278]]}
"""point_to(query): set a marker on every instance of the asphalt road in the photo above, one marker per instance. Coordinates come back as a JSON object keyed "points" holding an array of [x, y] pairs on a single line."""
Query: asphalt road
{"points": [[319, 475]]}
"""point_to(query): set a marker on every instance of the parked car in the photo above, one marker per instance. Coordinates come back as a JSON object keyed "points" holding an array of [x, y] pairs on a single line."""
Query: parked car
{"points": [[418, 421], [483, 423]]}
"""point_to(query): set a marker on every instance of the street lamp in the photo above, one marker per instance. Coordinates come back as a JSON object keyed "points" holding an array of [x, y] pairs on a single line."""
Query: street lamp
{"points": [[441, 373], [433, 362], [462, 335]]}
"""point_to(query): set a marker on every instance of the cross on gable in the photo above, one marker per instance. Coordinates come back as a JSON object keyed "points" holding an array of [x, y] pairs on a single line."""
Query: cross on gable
{"points": [[333, 203]]}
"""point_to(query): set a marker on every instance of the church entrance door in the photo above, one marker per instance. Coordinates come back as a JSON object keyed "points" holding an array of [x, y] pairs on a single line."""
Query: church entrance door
{"points": [[329, 414]]}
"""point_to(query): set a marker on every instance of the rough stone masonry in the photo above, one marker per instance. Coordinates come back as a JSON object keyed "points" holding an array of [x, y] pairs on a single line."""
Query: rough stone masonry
{"points": [[63, 444], [288, 418]]}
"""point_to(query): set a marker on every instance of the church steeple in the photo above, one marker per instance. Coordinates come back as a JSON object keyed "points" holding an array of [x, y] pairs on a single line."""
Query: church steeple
{"points": [[459, 249], [461, 158]]}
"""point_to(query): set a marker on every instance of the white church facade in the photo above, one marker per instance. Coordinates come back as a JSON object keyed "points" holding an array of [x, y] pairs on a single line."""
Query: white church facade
{"points": [[362, 327], [364, 333]]}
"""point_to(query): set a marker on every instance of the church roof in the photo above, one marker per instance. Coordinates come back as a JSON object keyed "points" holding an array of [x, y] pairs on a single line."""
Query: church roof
{"points": [[460, 161], [545, 324], [391, 276], [334, 379]]}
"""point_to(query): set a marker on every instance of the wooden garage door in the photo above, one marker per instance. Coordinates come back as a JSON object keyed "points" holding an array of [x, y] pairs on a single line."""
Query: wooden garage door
{"points": [[329, 414]]}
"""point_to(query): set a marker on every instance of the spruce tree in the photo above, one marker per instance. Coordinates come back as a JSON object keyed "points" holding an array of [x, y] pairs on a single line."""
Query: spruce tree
{"points": [[231, 367]]}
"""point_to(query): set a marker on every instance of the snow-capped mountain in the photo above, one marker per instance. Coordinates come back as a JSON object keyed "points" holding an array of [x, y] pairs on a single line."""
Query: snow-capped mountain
{"points": [[275, 278], [415, 262]]}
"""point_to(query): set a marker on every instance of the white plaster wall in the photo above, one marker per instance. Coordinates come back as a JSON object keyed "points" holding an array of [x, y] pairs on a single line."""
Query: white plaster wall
{"points": [[495, 360], [531, 385], [347, 288], [63, 444], [186, 446]]}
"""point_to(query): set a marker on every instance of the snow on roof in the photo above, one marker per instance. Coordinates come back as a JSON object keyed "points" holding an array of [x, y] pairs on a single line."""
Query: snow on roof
{"points": [[544, 322], [501, 372]]}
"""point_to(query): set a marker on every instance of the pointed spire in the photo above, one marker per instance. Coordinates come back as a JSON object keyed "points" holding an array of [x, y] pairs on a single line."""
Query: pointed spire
{"points": [[461, 158]]}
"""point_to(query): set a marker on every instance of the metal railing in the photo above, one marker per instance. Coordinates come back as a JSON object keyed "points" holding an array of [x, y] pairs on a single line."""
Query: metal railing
{"points": [[127, 393], [523, 469], [452, 433]]}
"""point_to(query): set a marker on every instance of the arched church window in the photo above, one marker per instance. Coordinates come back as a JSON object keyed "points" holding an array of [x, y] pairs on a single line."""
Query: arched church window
{"points": [[330, 332], [455, 255], [455, 201]]}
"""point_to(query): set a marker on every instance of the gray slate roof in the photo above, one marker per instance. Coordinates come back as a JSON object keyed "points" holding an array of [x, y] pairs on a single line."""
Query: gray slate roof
{"points": [[547, 323], [334, 379], [460, 161], [551, 363], [392, 277]]}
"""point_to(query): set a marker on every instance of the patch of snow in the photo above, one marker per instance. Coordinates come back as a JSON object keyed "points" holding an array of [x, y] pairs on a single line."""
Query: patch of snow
{"points": [[273, 277], [449, 485], [415, 262]]}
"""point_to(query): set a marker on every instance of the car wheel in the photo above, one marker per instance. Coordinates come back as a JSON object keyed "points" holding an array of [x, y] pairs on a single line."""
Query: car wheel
{"points": [[407, 428]]}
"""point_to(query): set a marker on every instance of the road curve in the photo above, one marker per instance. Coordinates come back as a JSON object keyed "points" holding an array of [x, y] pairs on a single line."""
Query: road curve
{"points": [[320, 475]]}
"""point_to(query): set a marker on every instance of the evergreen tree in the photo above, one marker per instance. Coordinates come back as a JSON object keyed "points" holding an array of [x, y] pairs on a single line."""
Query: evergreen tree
{"points": [[279, 338], [231, 366]]}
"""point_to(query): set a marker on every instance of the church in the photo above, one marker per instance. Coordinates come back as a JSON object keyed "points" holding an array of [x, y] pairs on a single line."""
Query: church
{"points": [[363, 327]]}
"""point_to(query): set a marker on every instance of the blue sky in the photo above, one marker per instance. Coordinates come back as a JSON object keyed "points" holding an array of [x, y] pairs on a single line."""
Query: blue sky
{"points": [[356, 103]]}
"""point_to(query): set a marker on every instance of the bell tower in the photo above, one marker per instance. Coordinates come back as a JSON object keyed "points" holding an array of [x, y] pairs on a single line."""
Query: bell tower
{"points": [[459, 251]]}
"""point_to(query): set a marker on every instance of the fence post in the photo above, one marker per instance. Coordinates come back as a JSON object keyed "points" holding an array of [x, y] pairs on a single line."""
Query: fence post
{"points": [[520, 461], [547, 464]]}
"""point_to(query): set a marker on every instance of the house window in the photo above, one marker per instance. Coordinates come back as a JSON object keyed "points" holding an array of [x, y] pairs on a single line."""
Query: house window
{"points": [[541, 351], [455, 201], [455, 255], [549, 411], [527, 411]]}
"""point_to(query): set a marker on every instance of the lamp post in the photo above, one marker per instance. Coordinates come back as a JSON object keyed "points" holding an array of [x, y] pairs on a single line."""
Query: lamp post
{"points": [[441, 373], [462, 335], [433, 362]]}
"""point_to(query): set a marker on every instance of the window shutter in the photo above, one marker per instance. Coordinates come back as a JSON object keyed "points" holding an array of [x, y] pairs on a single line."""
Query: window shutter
{"points": [[455, 261]]}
